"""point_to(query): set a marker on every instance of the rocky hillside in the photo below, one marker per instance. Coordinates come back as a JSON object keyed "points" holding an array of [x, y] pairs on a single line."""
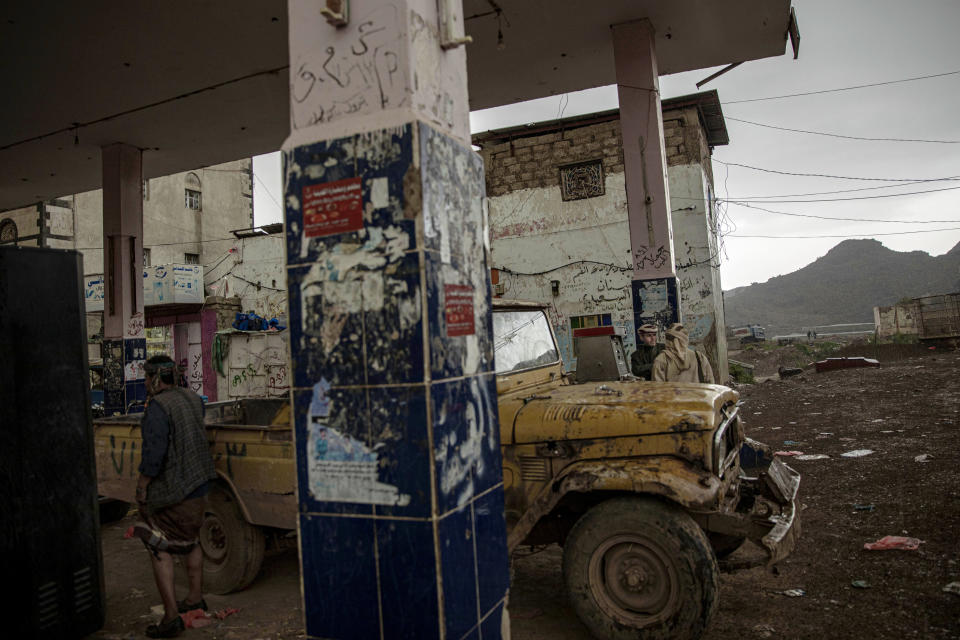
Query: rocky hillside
{"points": [[842, 286]]}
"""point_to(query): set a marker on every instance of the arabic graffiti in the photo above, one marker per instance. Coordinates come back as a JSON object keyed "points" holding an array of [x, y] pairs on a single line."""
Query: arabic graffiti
{"points": [[358, 72]]}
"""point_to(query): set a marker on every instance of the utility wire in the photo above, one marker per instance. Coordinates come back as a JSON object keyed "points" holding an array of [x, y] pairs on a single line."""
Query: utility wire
{"points": [[827, 193], [268, 192], [857, 235], [826, 175], [885, 195], [809, 215], [837, 135], [859, 86]]}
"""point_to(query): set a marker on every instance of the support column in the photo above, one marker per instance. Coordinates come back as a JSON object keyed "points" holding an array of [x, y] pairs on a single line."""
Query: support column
{"points": [[655, 297], [400, 490], [124, 340]]}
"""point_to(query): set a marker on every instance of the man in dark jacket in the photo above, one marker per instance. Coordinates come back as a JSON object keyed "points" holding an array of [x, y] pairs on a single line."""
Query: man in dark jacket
{"points": [[641, 360], [175, 469]]}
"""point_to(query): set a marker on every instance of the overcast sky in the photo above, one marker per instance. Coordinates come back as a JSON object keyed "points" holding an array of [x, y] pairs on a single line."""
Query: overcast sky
{"points": [[844, 43]]}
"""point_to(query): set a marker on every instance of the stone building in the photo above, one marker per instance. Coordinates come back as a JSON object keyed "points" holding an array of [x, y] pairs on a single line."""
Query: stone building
{"points": [[558, 220]]}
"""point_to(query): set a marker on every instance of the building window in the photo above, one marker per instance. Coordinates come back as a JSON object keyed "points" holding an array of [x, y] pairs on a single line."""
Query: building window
{"points": [[191, 258], [8, 231], [191, 191], [582, 180], [146, 257], [192, 199]]}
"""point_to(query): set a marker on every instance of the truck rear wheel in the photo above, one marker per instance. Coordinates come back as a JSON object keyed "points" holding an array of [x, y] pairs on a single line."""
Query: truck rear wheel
{"points": [[636, 567], [232, 547]]}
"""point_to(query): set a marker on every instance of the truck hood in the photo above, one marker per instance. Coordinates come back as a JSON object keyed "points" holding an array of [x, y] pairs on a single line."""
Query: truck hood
{"points": [[613, 409]]}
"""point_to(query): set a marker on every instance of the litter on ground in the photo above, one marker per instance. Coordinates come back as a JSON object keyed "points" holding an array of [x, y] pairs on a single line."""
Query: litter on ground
{"points": [[860, 584], [893, 542], [857, 453], [864, 507], [924, 457], [813, 456], [794, 593], [953, 587], [788, 453]]}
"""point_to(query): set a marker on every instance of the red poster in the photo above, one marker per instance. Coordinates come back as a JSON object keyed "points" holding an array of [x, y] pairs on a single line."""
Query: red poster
{"points": [[458, 306], [332, 208]]}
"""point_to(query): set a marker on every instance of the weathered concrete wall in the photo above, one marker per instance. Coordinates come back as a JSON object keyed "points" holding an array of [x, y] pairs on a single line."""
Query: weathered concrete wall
{"points": [[537, 237], [171, 229], [899, 318], [697, 256], [256, 365], [253, 270]]}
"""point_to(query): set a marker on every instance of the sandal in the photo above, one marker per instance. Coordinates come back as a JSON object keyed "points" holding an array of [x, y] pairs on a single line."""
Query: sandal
{"points": [[166, 629], [183, 606]]}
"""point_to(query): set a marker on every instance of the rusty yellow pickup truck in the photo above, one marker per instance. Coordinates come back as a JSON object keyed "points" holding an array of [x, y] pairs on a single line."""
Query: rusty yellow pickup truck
{"points": [[649, 487]]}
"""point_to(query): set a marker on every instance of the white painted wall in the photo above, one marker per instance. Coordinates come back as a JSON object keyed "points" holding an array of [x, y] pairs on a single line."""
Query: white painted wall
{"points": [[253, 270]]}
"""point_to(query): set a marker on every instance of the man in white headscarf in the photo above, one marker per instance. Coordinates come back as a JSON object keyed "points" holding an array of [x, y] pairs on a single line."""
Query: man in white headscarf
{"points": [[679, 363]]}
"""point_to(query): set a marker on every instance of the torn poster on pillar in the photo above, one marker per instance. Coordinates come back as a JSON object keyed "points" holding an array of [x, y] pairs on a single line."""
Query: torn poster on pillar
{"points": [[458, 309], [332, 208], [341, 468]]}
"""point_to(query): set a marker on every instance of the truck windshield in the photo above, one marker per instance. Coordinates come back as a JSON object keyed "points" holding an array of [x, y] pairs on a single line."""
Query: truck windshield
{"points": [[522, 340]]}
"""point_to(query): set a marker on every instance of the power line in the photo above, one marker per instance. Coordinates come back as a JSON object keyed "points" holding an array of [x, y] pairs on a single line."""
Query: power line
{"points": [[809, 215], [826, 175], [268, 192], [857, 235], [885, 195], [851, 88], [827, 193], [837, 135]]}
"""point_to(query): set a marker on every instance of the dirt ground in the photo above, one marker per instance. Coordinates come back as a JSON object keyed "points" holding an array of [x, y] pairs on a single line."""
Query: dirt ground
{"points": [[908, 407]]}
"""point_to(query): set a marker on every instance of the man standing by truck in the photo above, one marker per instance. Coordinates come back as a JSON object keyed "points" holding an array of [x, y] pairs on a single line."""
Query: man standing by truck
{"points": [[641, 360], [171, 493], [679, 363]]}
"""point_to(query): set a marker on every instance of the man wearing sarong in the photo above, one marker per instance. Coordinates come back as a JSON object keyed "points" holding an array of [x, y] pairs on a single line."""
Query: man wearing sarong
{"points": [[175, 469]]}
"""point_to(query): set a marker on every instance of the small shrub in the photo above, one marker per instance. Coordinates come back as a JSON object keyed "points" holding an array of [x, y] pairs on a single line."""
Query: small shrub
{"points": [[741, 374]]}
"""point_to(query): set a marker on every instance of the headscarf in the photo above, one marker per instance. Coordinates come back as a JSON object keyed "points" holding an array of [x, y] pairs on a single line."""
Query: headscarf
{"points": [[676, 345]]}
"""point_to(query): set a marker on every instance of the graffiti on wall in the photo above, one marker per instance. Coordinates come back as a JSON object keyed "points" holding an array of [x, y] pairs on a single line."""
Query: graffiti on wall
{"points": [[357, 72]]}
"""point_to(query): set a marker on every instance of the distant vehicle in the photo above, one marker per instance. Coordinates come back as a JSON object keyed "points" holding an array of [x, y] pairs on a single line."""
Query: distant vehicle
{"points": [[750, 333]]}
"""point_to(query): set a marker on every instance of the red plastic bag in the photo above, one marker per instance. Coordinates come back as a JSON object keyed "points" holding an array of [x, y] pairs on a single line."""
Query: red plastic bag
{"points": [[893, 542], [788, 453]]}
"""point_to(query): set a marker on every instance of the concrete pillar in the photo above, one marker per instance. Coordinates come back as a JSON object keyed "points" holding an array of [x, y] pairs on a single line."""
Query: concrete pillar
{"points": [[654, 286], [400, 490], [124, 340]]}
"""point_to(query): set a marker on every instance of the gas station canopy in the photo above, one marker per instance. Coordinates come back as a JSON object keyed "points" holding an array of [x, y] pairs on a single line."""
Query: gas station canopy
{"points": [[195, 84]]}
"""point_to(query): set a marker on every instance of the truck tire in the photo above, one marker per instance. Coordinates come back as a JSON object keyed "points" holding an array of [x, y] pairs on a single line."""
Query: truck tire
{"points": [[232, 547], [636, 567]]}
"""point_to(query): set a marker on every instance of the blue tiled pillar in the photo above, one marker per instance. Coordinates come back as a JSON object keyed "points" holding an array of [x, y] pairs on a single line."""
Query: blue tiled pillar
{"points": [[398, 461], [400, 492]]}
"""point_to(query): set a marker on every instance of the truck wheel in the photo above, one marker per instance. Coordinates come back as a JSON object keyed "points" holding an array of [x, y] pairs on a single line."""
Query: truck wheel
{"points": [[636, 567], [232, 547], [724, 545]]}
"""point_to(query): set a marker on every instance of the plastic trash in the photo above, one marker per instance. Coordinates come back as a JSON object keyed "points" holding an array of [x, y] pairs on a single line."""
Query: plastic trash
{"points": [[813, 456], [924, 457], [860, 584], [791, 443], [893, 542], [794, 593], [788, 453], [953, 587], [857, 453], [864, 507]]}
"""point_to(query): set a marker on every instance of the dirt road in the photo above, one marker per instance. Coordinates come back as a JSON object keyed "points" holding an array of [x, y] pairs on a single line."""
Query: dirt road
{"points": [[904, 409]]}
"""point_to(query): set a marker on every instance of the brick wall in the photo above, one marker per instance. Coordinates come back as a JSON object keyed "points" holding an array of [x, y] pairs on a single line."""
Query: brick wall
{"points": [[532, 161]]}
